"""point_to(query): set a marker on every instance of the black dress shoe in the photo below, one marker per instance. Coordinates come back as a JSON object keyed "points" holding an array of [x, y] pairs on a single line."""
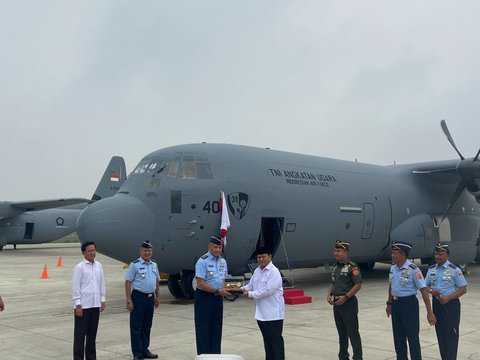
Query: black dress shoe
{"points": [[138, 358], [149, 355]]}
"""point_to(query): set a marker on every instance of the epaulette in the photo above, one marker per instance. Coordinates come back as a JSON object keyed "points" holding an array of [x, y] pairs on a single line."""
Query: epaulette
{"points": [[452, 266], [136, 261], [352, 263], [204, 257], [413, 266], [432, 266]]}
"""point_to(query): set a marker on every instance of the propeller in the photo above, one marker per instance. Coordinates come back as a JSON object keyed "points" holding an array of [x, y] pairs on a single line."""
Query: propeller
{"points": [[467, 169], [443, 124]]}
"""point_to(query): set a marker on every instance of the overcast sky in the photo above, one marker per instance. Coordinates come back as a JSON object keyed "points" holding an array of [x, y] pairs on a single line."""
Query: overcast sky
{"points": [[83, 81]]}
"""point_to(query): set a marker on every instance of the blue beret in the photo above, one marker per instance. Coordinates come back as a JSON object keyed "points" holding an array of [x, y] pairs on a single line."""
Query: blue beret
{"points": [[442, 248], [401, 246], [215, 240], [146, 244]]}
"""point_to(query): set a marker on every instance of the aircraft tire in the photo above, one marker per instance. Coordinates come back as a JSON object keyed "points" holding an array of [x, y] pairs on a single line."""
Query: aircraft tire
{"points": [[367, 266], [174, 286], [188, 284]]}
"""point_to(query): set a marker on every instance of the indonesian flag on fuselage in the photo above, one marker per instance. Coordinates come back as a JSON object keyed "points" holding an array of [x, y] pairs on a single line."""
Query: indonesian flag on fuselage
{"points": [[225, 224], [114, 177]]}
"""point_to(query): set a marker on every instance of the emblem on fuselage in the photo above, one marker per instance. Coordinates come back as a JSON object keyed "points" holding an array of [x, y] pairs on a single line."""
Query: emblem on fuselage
{"points": [[238, 203]]}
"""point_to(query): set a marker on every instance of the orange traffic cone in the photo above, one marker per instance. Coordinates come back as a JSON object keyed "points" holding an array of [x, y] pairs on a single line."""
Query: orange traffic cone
{"points": [[59, 262], [44, 272]]}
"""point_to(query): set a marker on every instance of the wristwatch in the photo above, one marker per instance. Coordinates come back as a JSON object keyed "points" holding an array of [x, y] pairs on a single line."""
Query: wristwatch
{"points": [[217, 292]]}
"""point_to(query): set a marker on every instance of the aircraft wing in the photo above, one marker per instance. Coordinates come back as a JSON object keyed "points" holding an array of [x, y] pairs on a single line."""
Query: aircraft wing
{"points": [[46, 204], [13, 208], [432, 167], [437, 171]]}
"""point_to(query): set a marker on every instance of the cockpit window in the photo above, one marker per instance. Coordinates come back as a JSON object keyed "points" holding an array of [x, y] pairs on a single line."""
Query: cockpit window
{"points": [[150, 166], [173, 168], [189, 166], [189, 170]]}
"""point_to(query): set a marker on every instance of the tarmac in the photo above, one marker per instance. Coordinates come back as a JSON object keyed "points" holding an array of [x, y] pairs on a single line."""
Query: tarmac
{"points": [[37, 322]]}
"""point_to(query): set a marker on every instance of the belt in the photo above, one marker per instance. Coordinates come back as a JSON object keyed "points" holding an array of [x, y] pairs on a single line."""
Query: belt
{"points": [[205, 292], [398, 298], [142, 293]]}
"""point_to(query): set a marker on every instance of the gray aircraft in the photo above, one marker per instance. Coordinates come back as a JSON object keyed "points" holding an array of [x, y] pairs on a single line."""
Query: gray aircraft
{"points": [[36, 222], [296, 205]]}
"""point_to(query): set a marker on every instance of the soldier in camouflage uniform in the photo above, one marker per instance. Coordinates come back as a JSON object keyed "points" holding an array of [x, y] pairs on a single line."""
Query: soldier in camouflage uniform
{"points": [[346, 282]]}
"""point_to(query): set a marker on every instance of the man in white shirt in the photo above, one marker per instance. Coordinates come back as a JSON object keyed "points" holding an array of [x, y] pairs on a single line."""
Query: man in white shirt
{"points": [[265, 288], [88, 293]]}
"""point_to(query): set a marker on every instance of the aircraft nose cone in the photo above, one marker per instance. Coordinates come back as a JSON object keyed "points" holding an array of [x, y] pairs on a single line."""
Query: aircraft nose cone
{"points": [[117, 225]]}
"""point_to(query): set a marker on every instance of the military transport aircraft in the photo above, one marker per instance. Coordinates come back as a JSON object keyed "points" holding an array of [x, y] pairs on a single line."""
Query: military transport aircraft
{"points": [[36, 222], [297, 205]]}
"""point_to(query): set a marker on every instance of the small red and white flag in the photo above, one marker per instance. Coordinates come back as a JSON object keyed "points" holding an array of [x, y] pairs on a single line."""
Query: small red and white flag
{"points": [[225, 223], [114, 177]]}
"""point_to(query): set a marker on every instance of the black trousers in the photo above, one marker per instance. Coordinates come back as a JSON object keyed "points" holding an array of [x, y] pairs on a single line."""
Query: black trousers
{"points": [[85, 333], [447, 327], [346, 320], [272, 339], [208, 322], [141, 322], [406, 326]]}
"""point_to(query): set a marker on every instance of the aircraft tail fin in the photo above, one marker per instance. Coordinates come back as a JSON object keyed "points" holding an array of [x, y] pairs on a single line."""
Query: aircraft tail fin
{"points": [[112, 179]]}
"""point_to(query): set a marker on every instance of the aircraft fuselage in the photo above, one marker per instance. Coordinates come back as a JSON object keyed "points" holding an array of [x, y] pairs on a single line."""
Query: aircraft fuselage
{"points": [[298, 204]]}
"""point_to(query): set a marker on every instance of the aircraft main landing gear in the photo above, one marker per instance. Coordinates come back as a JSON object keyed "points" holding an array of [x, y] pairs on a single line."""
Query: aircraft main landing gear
{"points": [[174, 286], [188, 284], [182, 286], [368, 266]]}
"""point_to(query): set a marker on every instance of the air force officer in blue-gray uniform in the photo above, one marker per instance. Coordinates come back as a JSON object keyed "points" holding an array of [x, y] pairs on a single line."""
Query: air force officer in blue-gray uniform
{"points": [[402, 304], [142, 291], [446, 283], [210, 272]]}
